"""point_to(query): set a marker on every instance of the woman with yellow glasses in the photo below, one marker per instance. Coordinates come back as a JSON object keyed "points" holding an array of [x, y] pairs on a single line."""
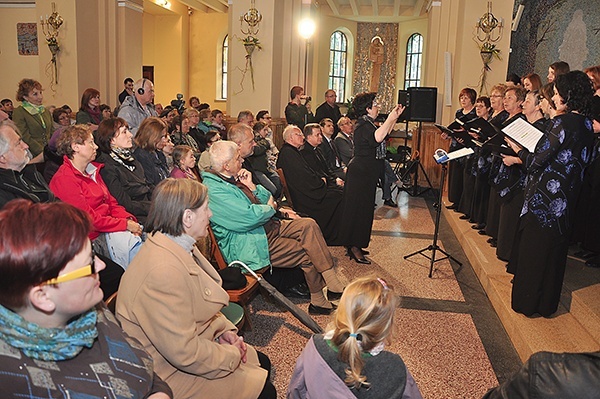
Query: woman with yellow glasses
{"points": [[56, 338]]}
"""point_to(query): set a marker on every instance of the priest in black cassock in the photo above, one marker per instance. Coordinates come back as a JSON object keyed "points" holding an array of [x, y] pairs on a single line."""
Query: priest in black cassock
{"points": [[311, 193], [314, 157]]}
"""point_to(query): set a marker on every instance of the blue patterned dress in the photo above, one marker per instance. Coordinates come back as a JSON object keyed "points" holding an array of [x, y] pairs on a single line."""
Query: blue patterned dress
{"points": [[552, 185]]}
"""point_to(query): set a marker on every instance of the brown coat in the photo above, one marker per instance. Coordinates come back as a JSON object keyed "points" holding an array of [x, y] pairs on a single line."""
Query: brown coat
{"points": [[172, 304]]}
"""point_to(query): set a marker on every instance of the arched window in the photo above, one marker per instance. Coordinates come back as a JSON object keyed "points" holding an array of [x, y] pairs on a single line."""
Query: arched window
{"points": [[414, 59], [224, 52], [338, 53]]}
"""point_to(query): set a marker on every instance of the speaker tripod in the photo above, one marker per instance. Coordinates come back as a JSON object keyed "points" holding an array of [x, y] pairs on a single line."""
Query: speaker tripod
{"points": [[434, 246], [415, 165]]}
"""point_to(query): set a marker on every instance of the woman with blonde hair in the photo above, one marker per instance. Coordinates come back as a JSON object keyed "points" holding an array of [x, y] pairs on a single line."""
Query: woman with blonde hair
{"points": [[349, 361]]}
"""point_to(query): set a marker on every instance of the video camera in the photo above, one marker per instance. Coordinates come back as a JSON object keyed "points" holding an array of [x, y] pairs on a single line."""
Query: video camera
{"points": [[178, 104]]}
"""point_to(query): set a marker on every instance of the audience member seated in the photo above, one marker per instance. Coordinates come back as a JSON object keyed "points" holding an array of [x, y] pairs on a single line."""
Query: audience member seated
{"points": [[247, 229], [52, 160], [17, 178], [89, 110], [216, 118], [259, 159], [349, 360], [53, 327], [122, 173], [344, 142], [184, 127], [20, 180], [196, 130], [330, 151], [314, 157], [79, 183], [264, 117], [32, 118], [127, 90], [552, 376], [151, 139], [314, 192], [242, 135], [6, 105], [138, 107], [246, 117], [204, 161], [592, 72], [184, 163], [205, 124], [170, 300]]}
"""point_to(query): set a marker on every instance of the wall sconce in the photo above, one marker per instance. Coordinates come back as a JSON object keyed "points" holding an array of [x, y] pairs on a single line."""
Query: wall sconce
{"points": [[489, 26], [50, 27], [252, 19], [488, 31]]}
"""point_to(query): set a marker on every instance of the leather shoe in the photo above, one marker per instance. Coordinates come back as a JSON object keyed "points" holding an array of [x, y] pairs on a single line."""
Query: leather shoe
{"points": [[333, 296], [481, 232], [390, 202], [479, 226], [364, 251], [451, 206], [299, 291], [464, 217], [313, 309], [594, 262]]}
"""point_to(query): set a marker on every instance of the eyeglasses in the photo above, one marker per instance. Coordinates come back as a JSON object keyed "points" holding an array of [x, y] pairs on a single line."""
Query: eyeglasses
{"points": [[84, 271], [376, 104]]}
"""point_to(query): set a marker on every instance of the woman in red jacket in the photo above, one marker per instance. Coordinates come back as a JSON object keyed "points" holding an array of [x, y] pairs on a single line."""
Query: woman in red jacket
{"points": [[79, 183]]}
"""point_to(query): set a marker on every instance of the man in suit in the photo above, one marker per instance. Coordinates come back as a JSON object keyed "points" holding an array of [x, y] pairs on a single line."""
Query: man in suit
{"points": [[247, 227], [334, 162], [313, 193], [343, 141], [329, 109], [312, 154]]}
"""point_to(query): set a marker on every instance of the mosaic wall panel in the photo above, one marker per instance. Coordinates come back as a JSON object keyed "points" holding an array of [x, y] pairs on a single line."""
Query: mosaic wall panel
{"points": [[552, 30], [363, 64]]}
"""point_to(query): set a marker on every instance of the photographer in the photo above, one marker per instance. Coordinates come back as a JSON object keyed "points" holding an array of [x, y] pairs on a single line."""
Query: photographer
{"points": [[298, 112]]}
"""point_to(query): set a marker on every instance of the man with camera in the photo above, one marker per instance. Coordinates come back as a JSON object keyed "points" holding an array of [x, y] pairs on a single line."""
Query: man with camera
{"points": [[298, 112]]}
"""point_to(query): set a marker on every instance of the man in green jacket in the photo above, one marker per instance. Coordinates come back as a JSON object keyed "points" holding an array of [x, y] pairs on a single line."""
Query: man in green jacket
{"points": [[247, 227]]}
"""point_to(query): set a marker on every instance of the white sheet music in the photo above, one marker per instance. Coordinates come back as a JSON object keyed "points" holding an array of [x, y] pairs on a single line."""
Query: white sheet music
{"points": [[524, 134]]}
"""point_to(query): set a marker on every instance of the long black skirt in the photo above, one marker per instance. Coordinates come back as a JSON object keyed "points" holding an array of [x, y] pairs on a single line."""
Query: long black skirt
{"points": [[455, 181], [508, 223], [359, 200], [539, 258]]}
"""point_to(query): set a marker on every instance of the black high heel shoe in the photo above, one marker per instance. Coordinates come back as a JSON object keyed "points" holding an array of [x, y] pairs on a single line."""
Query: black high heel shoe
{"points": [[358, 257]]}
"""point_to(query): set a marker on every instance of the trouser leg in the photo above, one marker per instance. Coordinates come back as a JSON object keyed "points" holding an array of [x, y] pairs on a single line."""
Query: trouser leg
{"points": [[300, 242]]}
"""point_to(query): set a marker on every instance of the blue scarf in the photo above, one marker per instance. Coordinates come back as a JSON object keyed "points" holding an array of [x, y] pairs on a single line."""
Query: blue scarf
{"points": [[48, 344]]}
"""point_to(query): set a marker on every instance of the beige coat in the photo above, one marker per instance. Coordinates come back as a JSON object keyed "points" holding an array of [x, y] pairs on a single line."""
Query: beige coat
{"points": [[172, 306]]}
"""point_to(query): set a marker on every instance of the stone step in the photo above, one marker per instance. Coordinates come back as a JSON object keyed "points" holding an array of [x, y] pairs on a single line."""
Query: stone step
{"points": [[574, 328]]}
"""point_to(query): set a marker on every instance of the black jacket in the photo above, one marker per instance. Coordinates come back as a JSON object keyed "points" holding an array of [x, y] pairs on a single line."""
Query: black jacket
{"points": [[553, 376], [28, 184], [128, 187]]}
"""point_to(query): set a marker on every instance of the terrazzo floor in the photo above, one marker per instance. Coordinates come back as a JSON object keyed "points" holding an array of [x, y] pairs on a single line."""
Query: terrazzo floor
{"points": [[447, 331]]}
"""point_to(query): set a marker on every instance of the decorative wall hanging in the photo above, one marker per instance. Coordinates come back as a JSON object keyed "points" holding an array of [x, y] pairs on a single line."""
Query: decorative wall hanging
{"points": [[27, 38], [249, 26], [488, 31], [50, 27]]}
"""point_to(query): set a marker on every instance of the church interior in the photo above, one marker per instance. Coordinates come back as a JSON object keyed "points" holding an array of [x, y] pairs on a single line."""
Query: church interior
{"points": [[455, 329]]}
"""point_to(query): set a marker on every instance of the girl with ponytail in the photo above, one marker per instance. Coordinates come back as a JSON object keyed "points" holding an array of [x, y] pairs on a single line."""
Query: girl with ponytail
{"points": [[349, 360]]}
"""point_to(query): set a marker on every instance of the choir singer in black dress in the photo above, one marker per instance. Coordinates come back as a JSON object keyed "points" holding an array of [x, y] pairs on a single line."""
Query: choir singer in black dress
{"points": [[363, 172]]}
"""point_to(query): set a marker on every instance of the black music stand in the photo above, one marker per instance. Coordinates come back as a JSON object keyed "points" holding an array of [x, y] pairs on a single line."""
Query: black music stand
{"points": [[414, 165], [434, 246]]}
